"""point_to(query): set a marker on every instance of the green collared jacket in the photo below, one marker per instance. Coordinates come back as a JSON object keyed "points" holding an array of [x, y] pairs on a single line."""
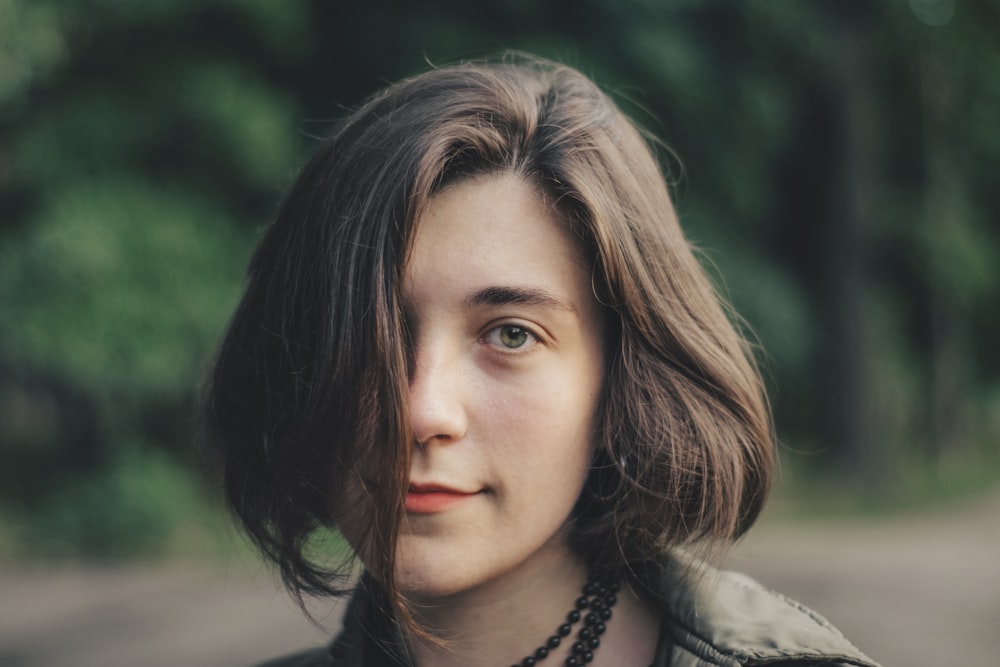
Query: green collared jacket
{"points": [[711, 618]]}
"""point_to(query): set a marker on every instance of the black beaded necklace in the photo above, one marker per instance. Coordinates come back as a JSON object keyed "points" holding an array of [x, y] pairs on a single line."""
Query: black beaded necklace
{"points": [[599, 596]]}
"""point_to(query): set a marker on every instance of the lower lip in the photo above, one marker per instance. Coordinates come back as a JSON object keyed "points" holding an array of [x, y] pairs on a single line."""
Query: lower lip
{"points": [[432, 502]]}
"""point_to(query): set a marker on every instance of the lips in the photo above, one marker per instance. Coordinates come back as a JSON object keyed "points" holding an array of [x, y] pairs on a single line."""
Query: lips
{"points": [[434, 498]]}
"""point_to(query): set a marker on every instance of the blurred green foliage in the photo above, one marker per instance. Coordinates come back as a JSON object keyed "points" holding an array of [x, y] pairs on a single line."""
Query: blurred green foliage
{"points": [[839, 173]]}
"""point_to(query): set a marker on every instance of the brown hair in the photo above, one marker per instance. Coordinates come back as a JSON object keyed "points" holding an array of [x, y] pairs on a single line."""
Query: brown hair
{"points": [[309, 388]]}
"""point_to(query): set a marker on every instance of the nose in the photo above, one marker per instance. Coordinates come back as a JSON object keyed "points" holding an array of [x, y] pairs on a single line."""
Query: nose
{"points": [[437, 409]]}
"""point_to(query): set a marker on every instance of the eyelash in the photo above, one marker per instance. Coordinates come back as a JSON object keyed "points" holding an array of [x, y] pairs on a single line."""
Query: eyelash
{"points": [[492, 337]]}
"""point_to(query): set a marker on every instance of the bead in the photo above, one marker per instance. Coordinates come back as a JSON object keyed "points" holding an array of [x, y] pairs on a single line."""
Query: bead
{"points": [[598, 598]]}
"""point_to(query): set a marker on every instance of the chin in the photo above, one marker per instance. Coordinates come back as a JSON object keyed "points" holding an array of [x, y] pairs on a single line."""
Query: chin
{"points": [[428, 583], [431, 574]]}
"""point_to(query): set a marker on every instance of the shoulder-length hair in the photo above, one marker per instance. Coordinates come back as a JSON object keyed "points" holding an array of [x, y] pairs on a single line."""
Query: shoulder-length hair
{"points": [[308, 398]]}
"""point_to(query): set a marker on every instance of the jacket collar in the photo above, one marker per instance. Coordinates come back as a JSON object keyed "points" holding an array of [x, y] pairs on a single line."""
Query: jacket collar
{"points": [[726, 618], [711, 617]]}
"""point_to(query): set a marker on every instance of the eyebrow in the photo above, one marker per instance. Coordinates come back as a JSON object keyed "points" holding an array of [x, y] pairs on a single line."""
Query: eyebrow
{"points": [[522, 296]]}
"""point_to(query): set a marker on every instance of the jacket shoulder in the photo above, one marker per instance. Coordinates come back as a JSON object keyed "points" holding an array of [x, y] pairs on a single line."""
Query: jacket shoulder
{"points": [[726, 618]]}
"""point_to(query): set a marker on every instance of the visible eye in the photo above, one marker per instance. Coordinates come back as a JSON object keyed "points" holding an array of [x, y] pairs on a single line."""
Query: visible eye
{"points": [[510, 336]]}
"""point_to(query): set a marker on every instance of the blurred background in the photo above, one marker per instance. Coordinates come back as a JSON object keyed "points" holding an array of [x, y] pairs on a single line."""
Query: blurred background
{"points": [[836, 162]]}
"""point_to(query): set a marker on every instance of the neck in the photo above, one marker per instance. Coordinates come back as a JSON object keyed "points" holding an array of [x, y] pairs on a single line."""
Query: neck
{"points": [[506, 620], [500, 621]]}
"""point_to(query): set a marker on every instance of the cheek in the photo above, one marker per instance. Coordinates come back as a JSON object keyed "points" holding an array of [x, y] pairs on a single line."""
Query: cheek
{"points": [[545, 423]]}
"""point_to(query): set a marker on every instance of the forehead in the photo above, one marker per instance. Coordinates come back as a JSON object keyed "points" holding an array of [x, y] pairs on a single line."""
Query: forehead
{"points": [[494, 231]]}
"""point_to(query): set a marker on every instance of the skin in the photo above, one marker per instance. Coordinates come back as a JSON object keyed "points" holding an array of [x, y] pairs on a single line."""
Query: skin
{"points": [[506, 376]]}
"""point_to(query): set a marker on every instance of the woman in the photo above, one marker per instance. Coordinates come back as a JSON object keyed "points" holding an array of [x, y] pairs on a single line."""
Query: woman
{"points": [[476, 343]]}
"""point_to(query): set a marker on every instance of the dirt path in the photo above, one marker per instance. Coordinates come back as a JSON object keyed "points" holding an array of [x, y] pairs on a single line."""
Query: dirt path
{"points": [[911, 591], [915, 591]]}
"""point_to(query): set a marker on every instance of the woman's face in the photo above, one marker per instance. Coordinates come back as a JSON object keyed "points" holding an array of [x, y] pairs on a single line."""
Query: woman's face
{"points": [[506, 374]]}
